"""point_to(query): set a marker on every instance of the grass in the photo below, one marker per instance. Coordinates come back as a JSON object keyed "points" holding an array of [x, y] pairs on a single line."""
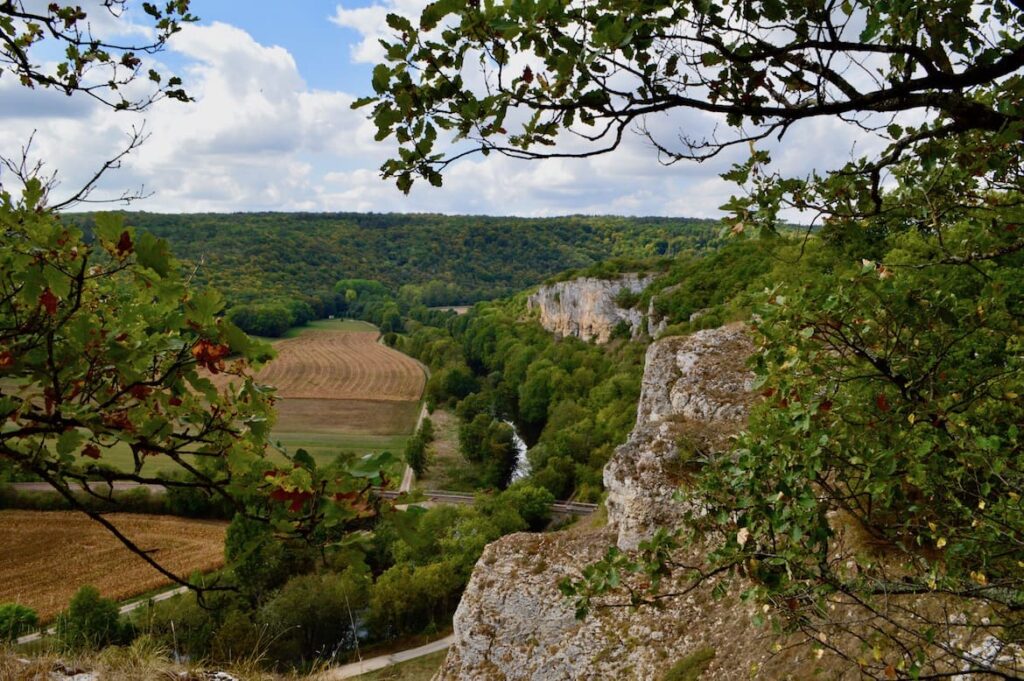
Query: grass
{"points": [[323, 325], [420, 669]]}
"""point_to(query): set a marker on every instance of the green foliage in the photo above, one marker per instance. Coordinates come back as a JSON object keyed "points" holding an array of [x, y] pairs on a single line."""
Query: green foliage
{"points": [[416, 452], [885, 460], [415, 260], [83, 60], [407, 599], [90, 622], [270, 319], [260, 561], [16, 620], [121, 302], [530, 502], [571, 401], [489, 442], [313, 616]]}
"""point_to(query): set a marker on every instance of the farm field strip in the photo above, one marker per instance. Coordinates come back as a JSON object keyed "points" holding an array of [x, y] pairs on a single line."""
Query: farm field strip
{"points": [[332, 365], [48, 555]]}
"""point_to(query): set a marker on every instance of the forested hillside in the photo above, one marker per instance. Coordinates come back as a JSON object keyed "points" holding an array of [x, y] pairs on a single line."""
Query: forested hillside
{"points": [[447, 259]]}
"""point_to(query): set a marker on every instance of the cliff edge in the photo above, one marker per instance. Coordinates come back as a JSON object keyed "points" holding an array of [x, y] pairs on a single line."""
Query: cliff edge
{"points": [[513, 623], [586, 307]]}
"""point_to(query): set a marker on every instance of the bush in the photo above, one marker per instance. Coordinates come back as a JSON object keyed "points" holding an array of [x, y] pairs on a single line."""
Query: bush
{"points": [[91, 622], [531, 502], [312, 616], [260, 561], [16, 620]]}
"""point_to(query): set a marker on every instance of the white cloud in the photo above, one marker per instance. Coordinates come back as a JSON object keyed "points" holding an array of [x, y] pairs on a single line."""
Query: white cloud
{"points": [[259, 138], [371, 23]]}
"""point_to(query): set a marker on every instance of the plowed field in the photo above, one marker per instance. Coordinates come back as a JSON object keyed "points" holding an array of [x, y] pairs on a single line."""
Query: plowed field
{"points": [[45, 556], [342, 366]]}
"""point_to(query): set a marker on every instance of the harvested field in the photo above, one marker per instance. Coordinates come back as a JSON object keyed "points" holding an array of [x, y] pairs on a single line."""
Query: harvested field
{"points": [[348, 365], [46, 556], [356, 417]]}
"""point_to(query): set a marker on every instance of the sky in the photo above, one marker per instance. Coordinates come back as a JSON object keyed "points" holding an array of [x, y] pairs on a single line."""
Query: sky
{"points": [[272, 130]]}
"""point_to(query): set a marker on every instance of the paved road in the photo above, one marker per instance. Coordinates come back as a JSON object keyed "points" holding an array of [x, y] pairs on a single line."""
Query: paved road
{"points": [[126, 608], [374, 663], [433, 496]]}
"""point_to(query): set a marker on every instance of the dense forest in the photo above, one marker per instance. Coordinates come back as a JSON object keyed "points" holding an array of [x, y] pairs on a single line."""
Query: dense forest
{"points": [[294, 260], [574, 401]]}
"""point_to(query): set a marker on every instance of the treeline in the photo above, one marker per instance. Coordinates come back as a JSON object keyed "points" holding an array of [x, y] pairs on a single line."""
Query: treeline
{"points": [[285, 266]]}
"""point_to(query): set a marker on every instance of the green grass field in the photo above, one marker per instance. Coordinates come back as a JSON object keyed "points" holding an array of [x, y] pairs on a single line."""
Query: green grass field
{"points": [[323, 325]]}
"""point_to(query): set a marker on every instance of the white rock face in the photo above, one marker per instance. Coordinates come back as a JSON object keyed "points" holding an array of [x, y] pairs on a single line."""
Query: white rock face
{"points": [[513, 623], [695, 394], [585, 307]]}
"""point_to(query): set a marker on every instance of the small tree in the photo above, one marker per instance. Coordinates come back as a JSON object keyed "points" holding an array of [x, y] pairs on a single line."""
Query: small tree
{"points": [[90, 621]]}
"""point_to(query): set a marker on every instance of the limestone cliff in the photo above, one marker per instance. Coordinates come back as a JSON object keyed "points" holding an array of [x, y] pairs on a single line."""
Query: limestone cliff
{"points": [[513, 623], [586, 308], [696, 392]]}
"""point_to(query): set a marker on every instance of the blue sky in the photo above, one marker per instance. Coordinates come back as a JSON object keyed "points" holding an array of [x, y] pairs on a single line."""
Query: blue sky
{"points": [[302, 27], [272, 129]]}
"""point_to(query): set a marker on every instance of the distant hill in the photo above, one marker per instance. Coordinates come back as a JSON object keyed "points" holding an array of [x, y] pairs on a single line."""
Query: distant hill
{"points": [[456, 259]]}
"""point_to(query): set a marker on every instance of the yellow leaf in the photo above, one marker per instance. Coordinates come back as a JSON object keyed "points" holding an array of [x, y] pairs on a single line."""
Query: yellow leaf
{"points": [[911, 418], [941, 542]]}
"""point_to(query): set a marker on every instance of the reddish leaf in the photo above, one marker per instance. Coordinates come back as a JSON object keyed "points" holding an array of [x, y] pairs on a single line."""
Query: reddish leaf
{"points": [[825, 406], [48, 301], [124, 244], [91, 451], [210, 355], [296, 498], [6, 359], [140, 392], [174, 401], [118, 420], [881, 402]]}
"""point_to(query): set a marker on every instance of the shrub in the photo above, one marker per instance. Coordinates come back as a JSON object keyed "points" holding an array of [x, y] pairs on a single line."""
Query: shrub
{"points": [[91, 621], [531, 502], [16, 620], [312, 616]]}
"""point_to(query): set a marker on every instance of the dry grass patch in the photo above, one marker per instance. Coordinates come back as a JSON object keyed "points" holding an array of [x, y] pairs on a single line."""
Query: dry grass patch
{"points": [[45, 556]]}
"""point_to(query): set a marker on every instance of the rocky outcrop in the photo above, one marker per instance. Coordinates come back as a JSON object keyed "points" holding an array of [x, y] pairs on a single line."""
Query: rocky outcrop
{"points": [[695, 394], [586, 307], [514, 623]]}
